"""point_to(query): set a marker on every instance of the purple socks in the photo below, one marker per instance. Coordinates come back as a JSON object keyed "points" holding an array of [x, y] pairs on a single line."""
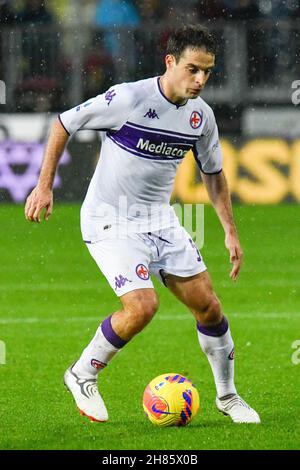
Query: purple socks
{"points": [[110, 334]]}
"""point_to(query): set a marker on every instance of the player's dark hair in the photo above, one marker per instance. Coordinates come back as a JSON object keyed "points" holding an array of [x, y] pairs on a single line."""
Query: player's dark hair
{"points": [[194, 37]]}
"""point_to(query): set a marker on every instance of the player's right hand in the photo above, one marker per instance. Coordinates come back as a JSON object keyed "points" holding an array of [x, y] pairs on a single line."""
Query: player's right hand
{"points": [[38, 200]]}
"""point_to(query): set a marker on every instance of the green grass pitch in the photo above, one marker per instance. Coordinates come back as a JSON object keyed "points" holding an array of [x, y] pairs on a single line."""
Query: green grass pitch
{"points": [[53, 297]]}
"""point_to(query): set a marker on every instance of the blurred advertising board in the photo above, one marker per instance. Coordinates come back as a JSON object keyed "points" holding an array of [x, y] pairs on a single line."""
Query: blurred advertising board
{"points": [[259, 170], [22, 142]]}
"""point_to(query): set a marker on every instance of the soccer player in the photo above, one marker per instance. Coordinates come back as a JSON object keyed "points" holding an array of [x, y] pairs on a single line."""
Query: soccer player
{"points": [[127, 223]]}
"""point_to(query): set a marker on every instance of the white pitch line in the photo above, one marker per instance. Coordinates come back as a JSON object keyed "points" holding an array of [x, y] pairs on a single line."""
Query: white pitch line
{"points": [[97, 285], [12, 321], [241, 316], [48, 287]]}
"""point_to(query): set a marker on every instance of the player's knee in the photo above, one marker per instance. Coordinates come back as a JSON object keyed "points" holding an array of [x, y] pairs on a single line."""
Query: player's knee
{"points": [[210, 312], [148, 306], [143, 308]]}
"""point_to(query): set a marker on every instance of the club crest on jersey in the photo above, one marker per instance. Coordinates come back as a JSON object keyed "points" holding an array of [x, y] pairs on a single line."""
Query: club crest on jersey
{"points": [[231, 355], [142, 272], [151, 114], [97, 364], [196, 120]]}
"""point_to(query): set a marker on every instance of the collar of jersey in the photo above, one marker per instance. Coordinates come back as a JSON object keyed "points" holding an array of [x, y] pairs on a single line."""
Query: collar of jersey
{"points": [[167, 99]]}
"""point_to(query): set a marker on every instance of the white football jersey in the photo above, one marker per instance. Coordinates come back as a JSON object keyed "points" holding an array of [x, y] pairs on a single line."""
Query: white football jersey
{"points": [[144, 139]]}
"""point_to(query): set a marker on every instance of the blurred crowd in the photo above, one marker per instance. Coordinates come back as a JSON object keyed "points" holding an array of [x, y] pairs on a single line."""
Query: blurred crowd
{"points": [[137, 12], [46, 58]]}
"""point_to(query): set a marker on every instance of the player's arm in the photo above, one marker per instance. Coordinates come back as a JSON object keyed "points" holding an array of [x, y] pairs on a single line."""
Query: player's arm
{"points": [[218, 192], [41, 196], [109, 110]]}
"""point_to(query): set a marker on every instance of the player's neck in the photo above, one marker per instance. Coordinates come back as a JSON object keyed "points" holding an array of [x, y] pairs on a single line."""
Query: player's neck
{"points": [[169, 92]]}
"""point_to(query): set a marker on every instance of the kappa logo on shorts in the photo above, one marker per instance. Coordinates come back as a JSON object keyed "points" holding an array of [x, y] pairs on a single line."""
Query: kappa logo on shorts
{"points": [[231, 355], [142, 272], [195, 120], [121, 281], [98, 364]]}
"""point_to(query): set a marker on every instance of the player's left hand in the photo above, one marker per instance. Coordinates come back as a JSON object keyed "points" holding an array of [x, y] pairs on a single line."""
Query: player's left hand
{"points": [[236, 254]]}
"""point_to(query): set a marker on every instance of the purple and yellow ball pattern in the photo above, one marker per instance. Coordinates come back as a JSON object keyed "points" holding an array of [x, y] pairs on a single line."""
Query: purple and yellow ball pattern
{"points": [[170, 400]]}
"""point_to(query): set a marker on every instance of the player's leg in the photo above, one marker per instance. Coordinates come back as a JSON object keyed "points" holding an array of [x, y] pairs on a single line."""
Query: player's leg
{"points": [[182, 269], [124, 264], [138, 308], [197, 294], [113, 334], [215, 339]]}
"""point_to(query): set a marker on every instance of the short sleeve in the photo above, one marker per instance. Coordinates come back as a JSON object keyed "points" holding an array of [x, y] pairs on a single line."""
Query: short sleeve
{"points": [[207, 150], [109, 110]]}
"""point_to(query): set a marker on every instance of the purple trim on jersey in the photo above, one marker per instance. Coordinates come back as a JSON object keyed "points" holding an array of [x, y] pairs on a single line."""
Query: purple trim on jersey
{"points": [[162, 93], [130, 130], [162, 239], [103, 129], [63, 125], [141, 155], [216, 330], [200, 165], [151, 145], [87, 241], [163, 131], [137, 154], [214, 173], [111, 335]]}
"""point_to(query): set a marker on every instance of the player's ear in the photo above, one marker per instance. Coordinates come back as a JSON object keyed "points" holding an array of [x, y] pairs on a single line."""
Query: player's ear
{"points": [[170, 61]]}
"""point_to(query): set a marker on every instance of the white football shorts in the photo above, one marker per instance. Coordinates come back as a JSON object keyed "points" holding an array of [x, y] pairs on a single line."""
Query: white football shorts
{"points": [[128, 262]]}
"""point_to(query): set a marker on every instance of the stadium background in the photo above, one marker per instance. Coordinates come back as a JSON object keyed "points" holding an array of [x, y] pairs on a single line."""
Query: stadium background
{"points": [[58, 53]]}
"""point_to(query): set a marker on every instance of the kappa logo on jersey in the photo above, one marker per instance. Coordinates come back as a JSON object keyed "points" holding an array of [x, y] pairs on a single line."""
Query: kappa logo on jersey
{"points": [[142, 272], [196, 120], [151, 114], [121, 281], [231, 355], [109, 95], [97, 364]]}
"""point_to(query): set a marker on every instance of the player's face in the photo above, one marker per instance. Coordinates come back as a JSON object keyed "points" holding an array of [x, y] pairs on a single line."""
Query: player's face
{"points": [[188, 76]]}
